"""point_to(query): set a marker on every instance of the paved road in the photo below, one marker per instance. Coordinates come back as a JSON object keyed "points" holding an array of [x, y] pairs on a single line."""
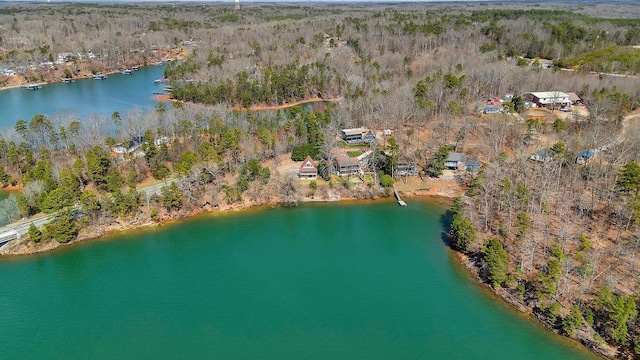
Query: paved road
{"points": [[155, 189], [22, 226]]}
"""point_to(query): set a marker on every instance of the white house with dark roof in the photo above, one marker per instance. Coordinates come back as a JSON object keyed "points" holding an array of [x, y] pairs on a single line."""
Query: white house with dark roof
{"points": [[548, 99]]}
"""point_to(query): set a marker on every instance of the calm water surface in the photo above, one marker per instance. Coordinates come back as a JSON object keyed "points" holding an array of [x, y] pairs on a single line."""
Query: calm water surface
{"points": [[348, 281], [82, 97]]}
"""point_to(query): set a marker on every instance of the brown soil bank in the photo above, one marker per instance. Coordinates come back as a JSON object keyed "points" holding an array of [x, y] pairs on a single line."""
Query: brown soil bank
{"points": [[444, 190]]}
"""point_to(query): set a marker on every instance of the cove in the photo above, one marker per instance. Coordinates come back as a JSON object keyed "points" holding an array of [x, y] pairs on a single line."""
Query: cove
{"points": [[323, 281], [83, 97]]}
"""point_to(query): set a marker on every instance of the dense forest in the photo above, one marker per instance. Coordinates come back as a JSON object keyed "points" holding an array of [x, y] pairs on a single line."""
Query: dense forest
{"points": [[558, 238]]}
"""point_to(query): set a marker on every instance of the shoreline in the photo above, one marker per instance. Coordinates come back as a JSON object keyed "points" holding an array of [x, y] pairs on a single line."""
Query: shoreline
{"points": [[167, 98], [472, 270], [84, 76], [438, 197], [24, 247]]}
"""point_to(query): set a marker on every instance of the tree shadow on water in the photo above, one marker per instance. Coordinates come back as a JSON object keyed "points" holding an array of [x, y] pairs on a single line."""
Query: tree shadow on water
{"points": [[445, 222]]}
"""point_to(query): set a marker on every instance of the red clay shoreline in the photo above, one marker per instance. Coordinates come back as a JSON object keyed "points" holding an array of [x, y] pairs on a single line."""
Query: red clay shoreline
{"points": [[27, 248], [167, 98]]}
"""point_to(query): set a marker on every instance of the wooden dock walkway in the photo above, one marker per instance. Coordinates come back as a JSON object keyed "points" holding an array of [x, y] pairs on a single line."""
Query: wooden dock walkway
{"points": [[400, 202]]}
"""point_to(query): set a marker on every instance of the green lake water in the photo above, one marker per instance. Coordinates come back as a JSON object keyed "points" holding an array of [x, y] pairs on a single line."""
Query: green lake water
{"points": [[328, 281]]}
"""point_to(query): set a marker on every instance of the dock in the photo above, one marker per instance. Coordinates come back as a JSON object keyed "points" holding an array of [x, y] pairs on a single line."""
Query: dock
{"points": [[400, 202], [35, 86]]}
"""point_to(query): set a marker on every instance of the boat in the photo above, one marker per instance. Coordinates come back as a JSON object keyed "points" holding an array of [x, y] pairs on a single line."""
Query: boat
{"points": [[157, 63], [99, 76], [135, 68], [158, 81], [66, 80], [127, 72], [33, 86]]}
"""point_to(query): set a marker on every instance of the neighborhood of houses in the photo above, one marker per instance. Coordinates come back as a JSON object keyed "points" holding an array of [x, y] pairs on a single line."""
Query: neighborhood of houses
{"points": [[551, 100], [341, 164], [547, 100], [14, 68]]}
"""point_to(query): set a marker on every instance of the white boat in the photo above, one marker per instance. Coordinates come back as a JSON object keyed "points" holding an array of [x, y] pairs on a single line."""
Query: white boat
{"points": [[33, 86], [99, 76], [135, 68], [127, 72], [66, 80]]}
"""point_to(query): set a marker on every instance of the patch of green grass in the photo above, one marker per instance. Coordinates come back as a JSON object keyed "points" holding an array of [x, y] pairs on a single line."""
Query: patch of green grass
{"points": [[232, 18], [354, 153], [611, 59], [285, 17]]}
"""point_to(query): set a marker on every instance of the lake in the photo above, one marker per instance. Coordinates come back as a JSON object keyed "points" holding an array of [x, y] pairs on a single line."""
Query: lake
{"points": [[324, 281], [83, 97]]}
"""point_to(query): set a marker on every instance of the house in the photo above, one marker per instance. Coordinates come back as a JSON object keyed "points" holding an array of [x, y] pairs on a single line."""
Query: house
{"points": [[357, 135], [344, 165], [574, 98], [543, 155], [585, 156], [308, 170], [492, 109], [548, 99], [406, 167], [455, 161], [495, 101], [161, 140], [133, 146], [120, 149], [64, 58], [473, 164], [545, 64]]}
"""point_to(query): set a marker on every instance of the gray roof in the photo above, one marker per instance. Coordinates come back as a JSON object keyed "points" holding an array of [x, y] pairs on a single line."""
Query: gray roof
{"points": [[456, 156], [473, 162]]}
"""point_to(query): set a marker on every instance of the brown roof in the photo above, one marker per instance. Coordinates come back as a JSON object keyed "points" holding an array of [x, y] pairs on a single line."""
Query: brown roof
{"points": [[313, 169], [573, 96], [354, 131], [347, 161]]}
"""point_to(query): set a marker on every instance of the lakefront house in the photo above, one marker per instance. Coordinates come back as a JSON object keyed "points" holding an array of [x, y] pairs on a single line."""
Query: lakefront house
{"points": [[357, 135], [308, 170]]}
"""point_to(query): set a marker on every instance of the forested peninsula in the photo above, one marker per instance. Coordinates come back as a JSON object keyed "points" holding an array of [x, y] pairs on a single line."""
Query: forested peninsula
{"points": [[526, 114]]}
